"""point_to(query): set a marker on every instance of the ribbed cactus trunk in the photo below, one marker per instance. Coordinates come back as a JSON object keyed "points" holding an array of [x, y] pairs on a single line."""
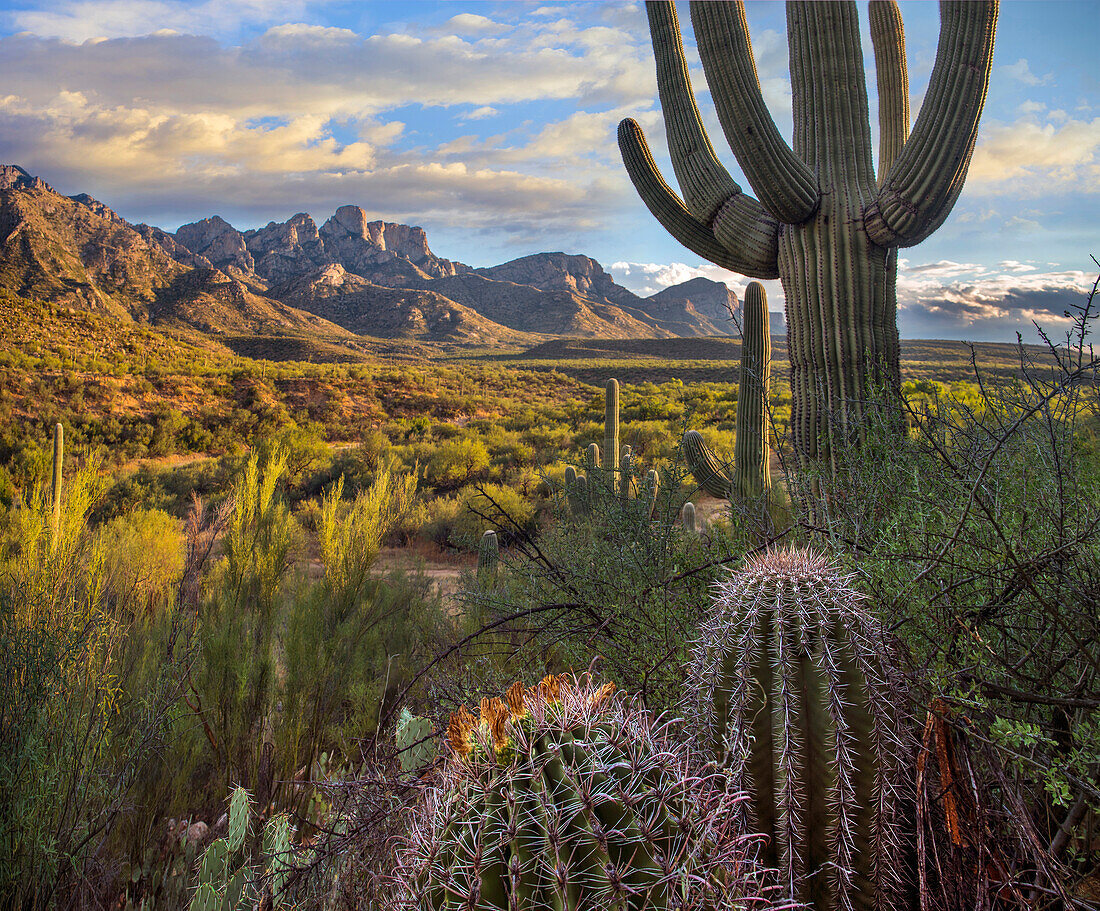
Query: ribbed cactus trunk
{"points": [[793, 683], [821, 223], [611, 426], [751, 462]]}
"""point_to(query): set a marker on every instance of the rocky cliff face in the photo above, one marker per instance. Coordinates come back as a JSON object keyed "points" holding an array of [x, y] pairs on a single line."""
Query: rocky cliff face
{"points": [[218, 241], [562, 272], [283, 250], [712, 300], [360, 246]]}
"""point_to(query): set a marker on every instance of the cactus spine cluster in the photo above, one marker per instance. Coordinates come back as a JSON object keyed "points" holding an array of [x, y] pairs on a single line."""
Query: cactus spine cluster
{"points": [[567, 796], [751, 461], [792, 685], [820, 222]]}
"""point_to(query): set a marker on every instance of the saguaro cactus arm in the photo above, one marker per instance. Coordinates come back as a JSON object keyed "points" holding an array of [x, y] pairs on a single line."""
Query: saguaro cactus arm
{"points": [[781, 180], [892, 76], [922, 185], [757, 255]]}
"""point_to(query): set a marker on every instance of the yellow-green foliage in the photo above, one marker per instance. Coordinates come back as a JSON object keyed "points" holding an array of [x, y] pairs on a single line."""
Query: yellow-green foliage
{"points": [[65, 721], [350, 538], [142, 557]]}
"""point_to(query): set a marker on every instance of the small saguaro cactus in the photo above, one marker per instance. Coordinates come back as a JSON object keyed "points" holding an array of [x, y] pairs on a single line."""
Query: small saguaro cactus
{"points": [[626, 473], [611, 425], [649, 492], [687, 517], [751, 474], [792, 682], [592, 457], [821, 220], [488, 558], [567, 796]]}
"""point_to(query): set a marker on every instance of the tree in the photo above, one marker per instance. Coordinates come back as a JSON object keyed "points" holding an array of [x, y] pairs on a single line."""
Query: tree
{"points": [[821, 222]]}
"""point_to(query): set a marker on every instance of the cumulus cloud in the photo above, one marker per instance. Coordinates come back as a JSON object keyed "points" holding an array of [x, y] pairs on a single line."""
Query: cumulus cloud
{"points": [[81, 20], [986, 304], [1037, 156], [1021, 72]]}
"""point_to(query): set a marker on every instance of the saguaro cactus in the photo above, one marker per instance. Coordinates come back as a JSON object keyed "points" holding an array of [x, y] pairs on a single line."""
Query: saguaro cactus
{"points": [[821, 223], [611, 425], [751, 472], [791, 680], [566, 796]]}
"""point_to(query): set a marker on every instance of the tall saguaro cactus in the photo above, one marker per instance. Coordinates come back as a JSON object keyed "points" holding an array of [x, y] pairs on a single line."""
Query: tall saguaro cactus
{"points": [[751, 469], [611, 425], [820, 222]]}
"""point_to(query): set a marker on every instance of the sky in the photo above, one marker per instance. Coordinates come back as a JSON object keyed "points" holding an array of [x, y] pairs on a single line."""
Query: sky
{"points": [[492, 125]]}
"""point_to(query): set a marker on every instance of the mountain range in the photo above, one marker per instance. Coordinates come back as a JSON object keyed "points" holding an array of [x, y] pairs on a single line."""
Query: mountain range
{"points": [[348, 277]]}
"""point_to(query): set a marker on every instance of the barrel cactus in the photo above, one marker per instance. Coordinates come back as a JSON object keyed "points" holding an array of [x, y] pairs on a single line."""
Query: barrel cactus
{"points": [[751, 466], [821, 222], [566, 795], [793, 689]]}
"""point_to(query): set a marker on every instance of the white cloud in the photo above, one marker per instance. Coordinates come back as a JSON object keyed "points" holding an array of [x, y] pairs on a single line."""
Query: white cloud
{"points": [[81, 20], [481, 113], [470, 23], [1021, 72], [1037, 157]]}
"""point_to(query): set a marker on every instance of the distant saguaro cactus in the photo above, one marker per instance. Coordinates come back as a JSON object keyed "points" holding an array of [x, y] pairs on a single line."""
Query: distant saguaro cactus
{"points": [[611, 425], [822, 224], [792, 681], [751, 464], [567, 796]]}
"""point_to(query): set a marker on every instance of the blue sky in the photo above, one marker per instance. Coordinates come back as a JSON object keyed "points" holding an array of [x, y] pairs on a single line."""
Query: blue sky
{"points": [[492, 125]]}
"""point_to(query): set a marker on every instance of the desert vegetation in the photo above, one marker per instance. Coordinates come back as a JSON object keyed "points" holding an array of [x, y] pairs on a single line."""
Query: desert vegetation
{"points": [[822, 633]]}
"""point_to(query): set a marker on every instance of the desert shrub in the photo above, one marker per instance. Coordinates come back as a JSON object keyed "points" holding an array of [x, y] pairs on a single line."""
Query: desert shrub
{"points": [[609, 584], [72, 737], [456, 461], [142, 558]]}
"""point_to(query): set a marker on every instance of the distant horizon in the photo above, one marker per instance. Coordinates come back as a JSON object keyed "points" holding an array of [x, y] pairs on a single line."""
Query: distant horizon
{"points": [[492, 126]]}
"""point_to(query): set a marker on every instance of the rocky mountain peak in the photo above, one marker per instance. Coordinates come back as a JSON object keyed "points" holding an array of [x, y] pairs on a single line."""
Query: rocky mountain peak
{"points": [[218, 241], [561, 272], [14, 177]]}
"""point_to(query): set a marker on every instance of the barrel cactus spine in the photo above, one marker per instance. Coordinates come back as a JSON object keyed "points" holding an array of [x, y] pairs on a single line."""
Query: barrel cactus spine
{"points": [[792, 681], [821, 221], [566, 795]]}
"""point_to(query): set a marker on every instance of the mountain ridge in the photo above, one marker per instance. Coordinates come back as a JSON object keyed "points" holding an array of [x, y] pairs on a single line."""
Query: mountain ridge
{"points": [[351, 275]]}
